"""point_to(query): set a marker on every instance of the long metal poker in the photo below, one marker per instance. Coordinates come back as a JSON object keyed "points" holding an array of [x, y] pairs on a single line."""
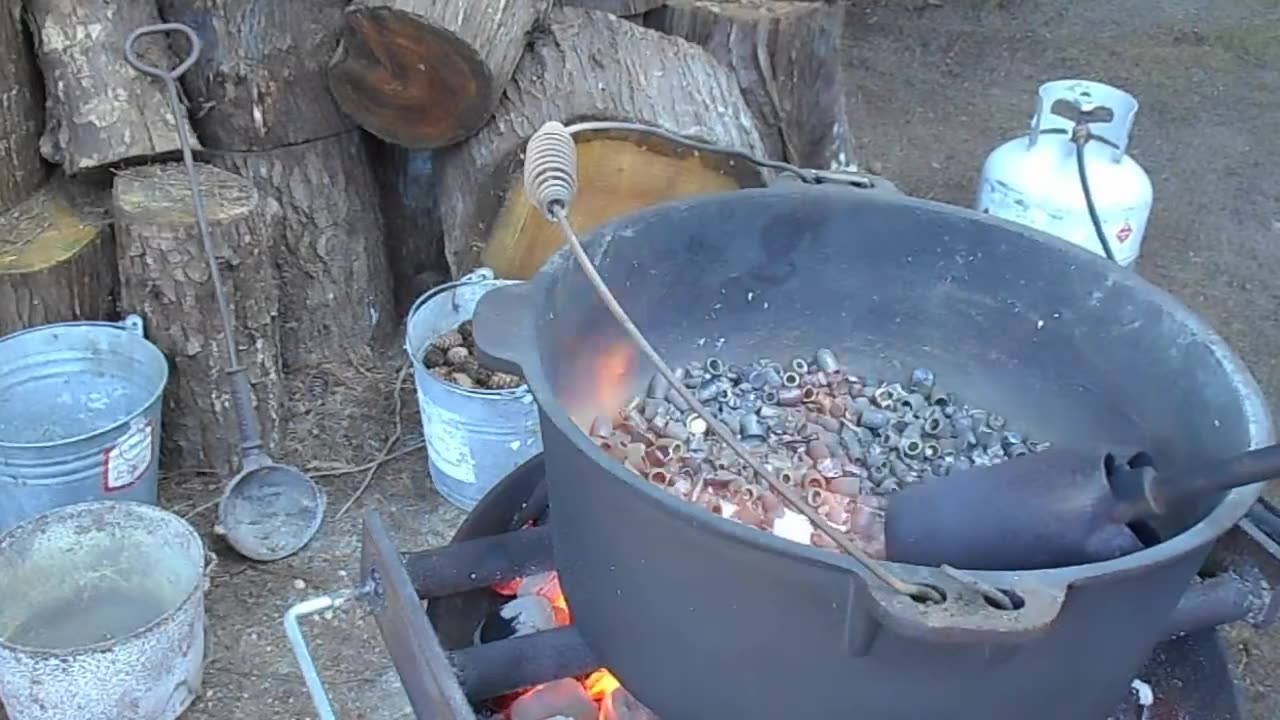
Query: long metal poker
{"points": [[241, 397]]}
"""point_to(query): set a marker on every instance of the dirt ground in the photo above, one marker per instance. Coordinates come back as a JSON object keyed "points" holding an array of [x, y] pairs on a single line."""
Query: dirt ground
{"points": [[935, 85]]}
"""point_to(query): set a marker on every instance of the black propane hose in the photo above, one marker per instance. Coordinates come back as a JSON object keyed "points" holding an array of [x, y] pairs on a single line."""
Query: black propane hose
{"points": [[1081, 137], [550, 178]]}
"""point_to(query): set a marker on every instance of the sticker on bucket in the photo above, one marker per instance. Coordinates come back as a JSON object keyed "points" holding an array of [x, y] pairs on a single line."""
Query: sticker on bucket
{"points": [[126, 462], [447, 445]]}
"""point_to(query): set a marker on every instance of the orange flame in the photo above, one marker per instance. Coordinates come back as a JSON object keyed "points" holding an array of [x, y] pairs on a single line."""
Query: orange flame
{"points": [[601, 684]]}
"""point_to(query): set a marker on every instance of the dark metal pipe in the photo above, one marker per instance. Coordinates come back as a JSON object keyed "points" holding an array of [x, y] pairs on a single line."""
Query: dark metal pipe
{"points": [[495, 668], [483, 562], [1220, 600]]}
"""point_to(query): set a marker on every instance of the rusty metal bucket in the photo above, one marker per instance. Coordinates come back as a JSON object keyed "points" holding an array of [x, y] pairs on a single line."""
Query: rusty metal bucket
{"points": [[103, 616]]}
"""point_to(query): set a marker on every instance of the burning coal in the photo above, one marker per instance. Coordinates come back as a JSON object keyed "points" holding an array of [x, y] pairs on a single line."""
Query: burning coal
{"points": [[597, 696]]}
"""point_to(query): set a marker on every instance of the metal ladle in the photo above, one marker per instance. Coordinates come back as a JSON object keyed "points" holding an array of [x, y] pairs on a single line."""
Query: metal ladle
{"points": [[268, 511]]}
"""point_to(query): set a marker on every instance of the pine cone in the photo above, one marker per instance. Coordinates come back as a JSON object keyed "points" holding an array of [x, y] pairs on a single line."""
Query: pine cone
{"points": [[462, 380], [433, 358], [457, 356], [504, 381], [481, 374], [448, 341], [465, 331]]}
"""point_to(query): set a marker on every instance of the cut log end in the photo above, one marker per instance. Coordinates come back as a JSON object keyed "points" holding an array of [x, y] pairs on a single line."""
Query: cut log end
{"points": [[161, 194], [615, 177], [46, 231], [165, 277], [56, 259], [409, 82]]}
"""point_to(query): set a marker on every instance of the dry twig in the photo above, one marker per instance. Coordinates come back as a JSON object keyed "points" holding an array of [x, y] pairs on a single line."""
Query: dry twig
{"points": [[386, 453]]}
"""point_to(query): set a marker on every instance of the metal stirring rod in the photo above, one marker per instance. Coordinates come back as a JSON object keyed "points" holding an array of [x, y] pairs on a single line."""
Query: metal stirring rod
{"points": [[550, 179]]}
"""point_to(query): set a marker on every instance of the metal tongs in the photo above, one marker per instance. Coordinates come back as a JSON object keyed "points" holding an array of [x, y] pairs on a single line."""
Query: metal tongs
{"points": [[268, 511]]}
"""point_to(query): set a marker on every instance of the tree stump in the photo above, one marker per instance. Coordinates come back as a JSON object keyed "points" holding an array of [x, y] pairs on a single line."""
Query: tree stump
{"points": [[428, 73], [165, 278], [98, 109], [786, 57], [592, 65], [414, 238], [623, 8], [21, 110], [261, 83], [57, 258], [335, 284]]}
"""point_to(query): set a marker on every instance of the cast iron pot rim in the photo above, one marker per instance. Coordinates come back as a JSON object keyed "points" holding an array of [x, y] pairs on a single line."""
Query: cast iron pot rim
{"points": [[1228, 512]]}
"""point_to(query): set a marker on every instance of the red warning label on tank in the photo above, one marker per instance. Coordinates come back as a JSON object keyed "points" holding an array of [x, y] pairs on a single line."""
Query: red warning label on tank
{"points": [[1125, 232]]}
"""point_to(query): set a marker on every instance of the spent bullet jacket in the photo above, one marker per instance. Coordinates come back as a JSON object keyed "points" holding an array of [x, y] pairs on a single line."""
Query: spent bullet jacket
{"points": [[826, 361], [921, 381], [874, 418], [658, 387], [750, 426], [837, 437], [790, 396]]}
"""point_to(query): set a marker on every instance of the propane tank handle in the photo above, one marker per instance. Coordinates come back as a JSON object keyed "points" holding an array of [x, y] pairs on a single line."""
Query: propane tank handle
{"points": [[1108, 112]]}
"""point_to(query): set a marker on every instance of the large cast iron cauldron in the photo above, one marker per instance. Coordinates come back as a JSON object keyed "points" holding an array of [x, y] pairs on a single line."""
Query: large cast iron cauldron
{"points": [[701, 617]]}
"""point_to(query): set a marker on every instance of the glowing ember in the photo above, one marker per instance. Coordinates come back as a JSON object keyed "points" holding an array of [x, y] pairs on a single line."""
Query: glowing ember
{"points": [[508, 588], [600, 685]]}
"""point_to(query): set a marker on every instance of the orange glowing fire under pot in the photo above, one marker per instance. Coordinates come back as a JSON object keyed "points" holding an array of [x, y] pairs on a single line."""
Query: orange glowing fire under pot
{"points": [[601, 684]]}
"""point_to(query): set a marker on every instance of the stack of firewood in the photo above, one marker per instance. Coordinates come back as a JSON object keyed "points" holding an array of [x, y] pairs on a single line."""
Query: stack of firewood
{"points": [[355, 153]]}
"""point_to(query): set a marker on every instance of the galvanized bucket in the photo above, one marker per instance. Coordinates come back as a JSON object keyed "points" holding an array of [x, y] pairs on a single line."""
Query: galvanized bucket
{"points": [[80, 406], [474, 437], [103, 614]]}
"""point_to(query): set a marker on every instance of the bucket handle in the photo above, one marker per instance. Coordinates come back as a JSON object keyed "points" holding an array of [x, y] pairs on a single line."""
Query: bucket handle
{"points": [[302, 654], [133, 323], [482, 274]]}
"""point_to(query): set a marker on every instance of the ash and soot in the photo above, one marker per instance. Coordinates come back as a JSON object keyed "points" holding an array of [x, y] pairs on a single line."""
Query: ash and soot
{"points": [[452, 357], [844, 441]]}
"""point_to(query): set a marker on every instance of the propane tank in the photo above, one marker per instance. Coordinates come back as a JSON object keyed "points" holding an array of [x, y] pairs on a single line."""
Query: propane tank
{"points": [[1036, 180]]}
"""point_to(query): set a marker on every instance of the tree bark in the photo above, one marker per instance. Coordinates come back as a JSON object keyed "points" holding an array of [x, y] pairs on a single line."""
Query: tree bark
{"points": [[334, 278], [592, 65], [428, 73], [260, 83], [98, 109], [786, 57], [21, 110], [57, 258], [165, 278], [415, 242], [623, 8]]}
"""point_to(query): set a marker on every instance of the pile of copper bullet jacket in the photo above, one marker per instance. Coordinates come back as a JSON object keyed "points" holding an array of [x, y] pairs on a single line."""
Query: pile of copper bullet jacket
{"points": [[844, 441]]}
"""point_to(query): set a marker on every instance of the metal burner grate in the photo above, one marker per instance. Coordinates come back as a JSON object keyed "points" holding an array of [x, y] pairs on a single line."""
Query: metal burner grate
{"points": [[446, 675]]}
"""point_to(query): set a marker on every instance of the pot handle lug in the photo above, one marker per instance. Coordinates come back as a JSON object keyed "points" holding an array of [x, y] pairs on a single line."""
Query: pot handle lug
{"points": [[839, 178], [503, 328], [966, 616]]}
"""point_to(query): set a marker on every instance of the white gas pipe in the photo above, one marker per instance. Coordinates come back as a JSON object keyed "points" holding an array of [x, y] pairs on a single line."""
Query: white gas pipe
{"points": [[1074, 158]]}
